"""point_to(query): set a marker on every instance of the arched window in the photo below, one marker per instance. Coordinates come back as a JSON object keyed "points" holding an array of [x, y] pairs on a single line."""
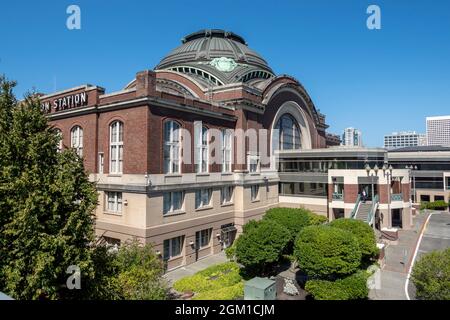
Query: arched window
{"points": [[171, 147], [289, 133], [116, 147], [59, 145], [76, 140]]}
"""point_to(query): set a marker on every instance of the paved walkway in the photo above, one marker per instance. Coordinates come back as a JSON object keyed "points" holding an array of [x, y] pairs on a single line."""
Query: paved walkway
{"points": [[193, 268], [398, 258]]}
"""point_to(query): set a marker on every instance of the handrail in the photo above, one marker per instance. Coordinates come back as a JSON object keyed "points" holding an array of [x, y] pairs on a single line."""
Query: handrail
{"points": [[338, 196], [397, 197], [371, 214], [355, 209]]}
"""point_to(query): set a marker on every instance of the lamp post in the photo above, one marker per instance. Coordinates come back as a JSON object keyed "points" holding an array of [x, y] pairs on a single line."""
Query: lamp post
{"points": [[369, 170], [387, 172], [413, 177]]}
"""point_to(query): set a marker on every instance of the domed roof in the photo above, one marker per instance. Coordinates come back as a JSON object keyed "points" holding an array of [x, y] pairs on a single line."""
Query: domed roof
{"points": [[216, 57]]}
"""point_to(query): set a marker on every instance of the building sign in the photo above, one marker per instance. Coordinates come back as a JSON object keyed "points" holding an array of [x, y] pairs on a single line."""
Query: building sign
{"points": [[65, 103]]}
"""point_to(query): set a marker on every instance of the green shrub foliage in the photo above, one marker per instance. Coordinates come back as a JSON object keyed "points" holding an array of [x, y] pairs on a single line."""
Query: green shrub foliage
{"points": [[327, 252], [353, 287], [363, 233], [431, 276]]}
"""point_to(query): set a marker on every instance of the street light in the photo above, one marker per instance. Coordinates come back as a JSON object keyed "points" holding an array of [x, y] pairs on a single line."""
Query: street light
{"points": [[411, 167], [387, 172]]}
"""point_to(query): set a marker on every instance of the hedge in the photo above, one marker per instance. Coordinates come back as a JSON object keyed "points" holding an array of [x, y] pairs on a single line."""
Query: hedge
{"points": [[227, 293], [350, 288], [436, 205], [327, 252], [363, 233]]}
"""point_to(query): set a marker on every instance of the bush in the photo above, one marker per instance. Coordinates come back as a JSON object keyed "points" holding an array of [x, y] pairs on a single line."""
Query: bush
{"points": [[436, 205], [230, 252], [227, 293], [327, 252], [261, 245], [363, 233], [350, 288], [219, 282], [431, 276]]}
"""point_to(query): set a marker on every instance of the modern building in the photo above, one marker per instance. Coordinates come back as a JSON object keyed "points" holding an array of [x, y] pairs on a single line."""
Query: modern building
{"points": [[352, 138], [404, 139], [430, 171], [154, 184], [438, 131]]}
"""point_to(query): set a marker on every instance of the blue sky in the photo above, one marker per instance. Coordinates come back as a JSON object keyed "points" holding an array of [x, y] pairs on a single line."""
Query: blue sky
{"points": [[378, 81]]}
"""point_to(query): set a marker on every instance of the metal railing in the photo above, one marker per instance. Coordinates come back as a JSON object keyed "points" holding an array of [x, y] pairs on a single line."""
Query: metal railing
{"points": [[355, 209], [397, 197], [373, 208], [338, 196]]}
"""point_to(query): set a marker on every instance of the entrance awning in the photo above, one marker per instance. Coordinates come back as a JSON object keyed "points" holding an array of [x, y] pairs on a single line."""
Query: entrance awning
{"points": [[228, 229]]}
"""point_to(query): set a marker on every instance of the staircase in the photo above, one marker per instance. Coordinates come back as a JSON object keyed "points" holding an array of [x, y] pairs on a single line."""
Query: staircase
{"points": [[362, 213]]}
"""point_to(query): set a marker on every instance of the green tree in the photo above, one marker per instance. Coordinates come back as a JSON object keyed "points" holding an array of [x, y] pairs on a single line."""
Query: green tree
{"points": [[46, 205], [261, 245], [431, 276], [327, 252], [140, 273], [363, 233]]}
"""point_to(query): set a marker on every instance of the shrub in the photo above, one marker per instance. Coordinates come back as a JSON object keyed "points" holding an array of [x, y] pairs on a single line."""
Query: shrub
{"points": [[350, 288], [230, 252], [431, 276], [261, 245], [213, 278], [363, 233], [227, 293], [327, 252], [436, 205]]}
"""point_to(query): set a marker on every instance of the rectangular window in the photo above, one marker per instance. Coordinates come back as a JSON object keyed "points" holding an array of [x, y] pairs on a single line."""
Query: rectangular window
{"points": [[202, 198], [173, 247], [114, 202], [255, 192], [226, 195], [173, 202], [226, 150], [201, 147], [253, 164], [202, 238], [101, 160]]}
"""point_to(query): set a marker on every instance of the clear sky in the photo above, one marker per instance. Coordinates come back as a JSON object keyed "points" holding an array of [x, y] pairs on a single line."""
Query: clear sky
{"points": [[376, 80]]}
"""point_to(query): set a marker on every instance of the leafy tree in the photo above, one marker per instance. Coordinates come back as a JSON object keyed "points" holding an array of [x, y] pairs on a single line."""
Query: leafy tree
{"points": [[261, 245], [294, 220], [327, 252], [46, 205], [140, 273], [363, 233], [431, 276]]}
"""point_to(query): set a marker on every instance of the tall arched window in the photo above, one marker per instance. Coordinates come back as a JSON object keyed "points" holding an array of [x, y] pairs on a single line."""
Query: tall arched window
{"points": [[116, 147], [76, 140], [289, 133], [59, 145], [171, 147]]}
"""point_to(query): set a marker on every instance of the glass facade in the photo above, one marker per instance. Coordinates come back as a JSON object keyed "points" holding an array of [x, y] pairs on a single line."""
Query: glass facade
{"points": [[303, 189], [323, 165]]}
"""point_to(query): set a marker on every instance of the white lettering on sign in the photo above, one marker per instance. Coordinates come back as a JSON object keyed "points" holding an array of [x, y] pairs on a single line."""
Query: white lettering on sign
{"points": [[66, 102]]}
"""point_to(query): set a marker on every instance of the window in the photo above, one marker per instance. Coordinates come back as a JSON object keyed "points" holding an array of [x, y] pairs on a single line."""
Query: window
{"points": [[202, 238], [171, 147], [76, 140], [255, 192], [253, 164], [116, 147], [59, 146], [101, 163], [288, 133], [226, 195], [173, 202], [173, 247], [114, 202], [202, 198], [226, 150], [201, 147]]}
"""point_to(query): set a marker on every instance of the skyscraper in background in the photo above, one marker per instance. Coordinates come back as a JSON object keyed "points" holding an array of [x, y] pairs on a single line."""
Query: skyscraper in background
{"points": [[352, 137], [438, 131], [404, 139]]}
